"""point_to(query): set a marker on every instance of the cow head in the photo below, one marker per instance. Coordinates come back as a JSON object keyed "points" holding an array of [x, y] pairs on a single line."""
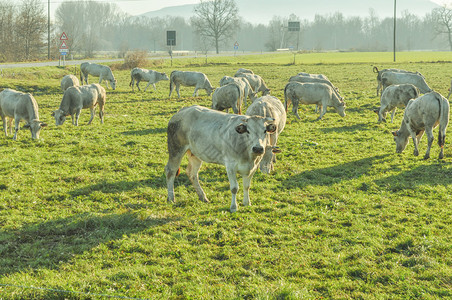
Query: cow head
{"points": [[341, 109], [113, 83], [253, 132], [163, 76], [35, 127], [401, 140], [60, 116]]}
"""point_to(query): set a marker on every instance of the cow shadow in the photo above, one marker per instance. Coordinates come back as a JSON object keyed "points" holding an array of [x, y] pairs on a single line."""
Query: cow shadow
{"points": [[438, 174], [332, 175], [48, 244], [350, 128], [145, 131]]}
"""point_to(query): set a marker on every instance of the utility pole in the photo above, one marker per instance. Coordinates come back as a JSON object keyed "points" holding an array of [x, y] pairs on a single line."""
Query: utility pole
{"points": [[395, 18], [48, 29]]}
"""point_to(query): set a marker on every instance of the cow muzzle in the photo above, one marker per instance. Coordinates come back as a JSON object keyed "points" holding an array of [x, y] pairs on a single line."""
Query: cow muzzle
{"points": [[258, 150]]}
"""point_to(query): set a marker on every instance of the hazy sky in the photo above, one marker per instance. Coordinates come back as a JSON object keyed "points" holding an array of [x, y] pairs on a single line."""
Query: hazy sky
{"points": [[136, 7]]}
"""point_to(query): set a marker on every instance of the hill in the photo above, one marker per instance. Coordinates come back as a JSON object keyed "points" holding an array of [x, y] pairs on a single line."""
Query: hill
{"points": [[261, 11]]}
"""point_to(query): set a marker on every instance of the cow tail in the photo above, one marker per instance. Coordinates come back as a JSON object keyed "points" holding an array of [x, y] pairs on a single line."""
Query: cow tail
{"points": [[239, 99], [171, 80], [443, 119], [81, 75], [286, 96], [375, 69], [131, 79]]}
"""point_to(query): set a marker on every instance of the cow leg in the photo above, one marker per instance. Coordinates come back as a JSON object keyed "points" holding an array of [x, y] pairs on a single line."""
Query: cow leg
{"points": [[246, 189], [92, 110], [5, 125], [415, 142], [138, 82], [77, 115], [430, 138], [295, 109], [172, 169], [378, 87], [149, 83], [194, 164], [10, 125], [234, 186], [382, 114], [392, 115], [195, 92], [177, 90], [101, 113], [16, 127], [323, 112]]}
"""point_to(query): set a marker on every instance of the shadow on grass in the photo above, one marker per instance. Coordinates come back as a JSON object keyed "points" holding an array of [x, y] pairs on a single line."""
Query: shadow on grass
{"points": [[433, 175], [350, 128], [46, 245], [145, 131], [332, 175]]}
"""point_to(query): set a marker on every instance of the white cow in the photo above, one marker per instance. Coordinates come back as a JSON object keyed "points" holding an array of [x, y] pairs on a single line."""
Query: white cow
{"points": [[245, 87], [269, 106], [237, 142], [320, 94], [243, 70], [78, 97], [227, 96], [380, 72], [68, 81], [101, 71], [390, 78], [20, 106], [422, 115], [187, 78], [151, 76], [395, 96], [321, 76], [256, 82]]}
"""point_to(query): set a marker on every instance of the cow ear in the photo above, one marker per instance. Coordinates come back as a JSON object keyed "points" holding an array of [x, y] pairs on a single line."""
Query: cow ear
{"points": [[276, 150], [241, 128], [270, 128], [394, 133]]}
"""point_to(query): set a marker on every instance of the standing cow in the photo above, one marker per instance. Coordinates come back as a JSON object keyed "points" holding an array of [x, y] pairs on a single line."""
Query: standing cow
{"points": [[381, 72], [313, 93], [68, 81], [151, 76], [237, 142], [256, 82], [20, 106], [422, 115], [395, 96], [227, 96], [243, 83], [390, 78], [272, 107], [187, 78], [78, 97], [101, 71]]}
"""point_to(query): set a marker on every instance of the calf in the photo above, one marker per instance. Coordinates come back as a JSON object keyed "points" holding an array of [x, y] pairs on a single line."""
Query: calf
{"points": [[101, 71], [423, 114], [237, 142], [320, 94], [186, 78], [227, 96], [68, 81], [269, 106], [20, 106], [395, 96], [151, 76], [77, 98]]}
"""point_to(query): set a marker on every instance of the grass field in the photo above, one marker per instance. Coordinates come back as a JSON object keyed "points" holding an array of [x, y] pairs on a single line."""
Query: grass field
{"points": [[83, 210]]}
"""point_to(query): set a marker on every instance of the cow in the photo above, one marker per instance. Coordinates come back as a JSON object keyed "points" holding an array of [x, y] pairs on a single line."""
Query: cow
{"points": [[151, 76], [380, 72], [78, 97], [227, 96], [68, 81], [390, 78], [20, 106], [395, 96], [101, 71], [320, 94], [269, 106], [422, 115], [308, 79], [243, 70], [321, 76], [256, 82], [245, 87], [187, 78], [235, 141]]}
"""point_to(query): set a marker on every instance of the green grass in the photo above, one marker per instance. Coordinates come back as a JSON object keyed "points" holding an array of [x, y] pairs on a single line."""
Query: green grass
{"points": [[343, 216]]}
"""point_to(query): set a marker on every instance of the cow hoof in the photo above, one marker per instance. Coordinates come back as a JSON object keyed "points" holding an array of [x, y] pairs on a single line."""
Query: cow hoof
{"points": [[233, 209], [416, 153], [205, 200], [170, 200], [426, 156]]}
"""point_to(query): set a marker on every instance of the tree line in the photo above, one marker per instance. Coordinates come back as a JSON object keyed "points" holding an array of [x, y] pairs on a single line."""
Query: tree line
{"points": [[99, 26]]}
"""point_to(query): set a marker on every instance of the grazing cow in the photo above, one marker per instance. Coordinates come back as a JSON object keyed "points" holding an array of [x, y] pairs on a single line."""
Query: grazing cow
{"points": [[244, 84], [237, 142], [390, 78], [256, 82], [151, 76], [423, 114], [380, 73], [68, 81], [395, 96], [227, 96], [78, 97], [308, 79], [269, 106], [320, 94], [243, 70], [321, 76], [101, 71], [187, 78], [20, 106]]}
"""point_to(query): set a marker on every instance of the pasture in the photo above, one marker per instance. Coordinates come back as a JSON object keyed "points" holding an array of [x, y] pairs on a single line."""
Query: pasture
{"points": [[83, 210]]}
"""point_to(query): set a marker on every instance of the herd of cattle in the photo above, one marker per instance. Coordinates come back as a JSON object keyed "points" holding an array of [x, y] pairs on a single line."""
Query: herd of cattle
{"points": [[242, 143]]}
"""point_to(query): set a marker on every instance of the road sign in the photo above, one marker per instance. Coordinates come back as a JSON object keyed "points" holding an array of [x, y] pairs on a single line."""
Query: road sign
{"points": [[63, 52], [236, 44], [171, 38], [63, 36], [294, 26], [63, 45]]}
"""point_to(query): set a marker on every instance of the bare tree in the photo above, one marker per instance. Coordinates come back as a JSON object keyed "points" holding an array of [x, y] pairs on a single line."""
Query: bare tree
{"points": [[7, 31], [216, 20], [443, 26], [31, 23]]}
